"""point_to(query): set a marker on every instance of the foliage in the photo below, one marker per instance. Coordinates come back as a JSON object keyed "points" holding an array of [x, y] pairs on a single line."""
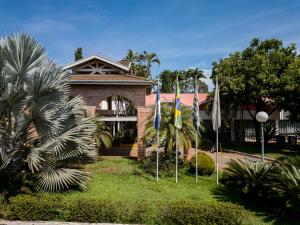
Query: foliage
{"points": [[78, 54], [260, 75], [247, 177], [45, 138], [2, 206], [166, 163], [147, 59], [104, 211], [167, 132], [30, 208], [269, 131], [277, 184], [291, 92], [103, 137], [187, 213], [285, 187], [186, 78], [206, 165], [141, 63]]}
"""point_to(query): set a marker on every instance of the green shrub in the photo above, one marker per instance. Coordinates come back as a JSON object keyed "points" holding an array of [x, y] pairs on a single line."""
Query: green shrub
{"points": [[2, 205], [284, 188], [166, 164], [277, 184], [247, 177], [189, 213], [96, 211], [206, 165], [27, 207]]}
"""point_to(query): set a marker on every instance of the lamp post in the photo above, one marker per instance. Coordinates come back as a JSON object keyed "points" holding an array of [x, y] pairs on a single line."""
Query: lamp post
{"points": [[262, 117]]}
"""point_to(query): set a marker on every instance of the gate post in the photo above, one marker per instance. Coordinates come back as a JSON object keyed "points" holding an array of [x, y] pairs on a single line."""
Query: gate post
{"points": [[143, 115]]}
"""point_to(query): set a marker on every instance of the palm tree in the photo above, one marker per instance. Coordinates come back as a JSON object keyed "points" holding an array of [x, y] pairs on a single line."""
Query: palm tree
{"points": [[149, 59], [103, 137], [45, 137], [132, 57], [167, 131]]}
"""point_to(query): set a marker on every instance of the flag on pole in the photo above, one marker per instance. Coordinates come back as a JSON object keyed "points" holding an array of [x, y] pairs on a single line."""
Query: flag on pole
{"points": [[196, 113], [216, 122], [216, 113], [157, 113], [178, 120], [156, 123], [196, 121]]}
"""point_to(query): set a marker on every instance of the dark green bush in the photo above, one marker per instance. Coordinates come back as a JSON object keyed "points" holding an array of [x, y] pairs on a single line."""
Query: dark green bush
{"points": [[166, 164], [28, 207], [2, 205], [93, 211], [276, 184], [189, 213], [206, 165], [247, 177]]}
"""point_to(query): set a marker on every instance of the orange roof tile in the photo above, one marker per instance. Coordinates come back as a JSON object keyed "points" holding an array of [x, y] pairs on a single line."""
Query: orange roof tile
{"points": [[109, 78], [186, 98]]}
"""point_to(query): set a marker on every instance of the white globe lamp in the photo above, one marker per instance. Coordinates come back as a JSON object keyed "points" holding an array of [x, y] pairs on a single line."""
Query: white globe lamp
{"points": [[262, 117]]}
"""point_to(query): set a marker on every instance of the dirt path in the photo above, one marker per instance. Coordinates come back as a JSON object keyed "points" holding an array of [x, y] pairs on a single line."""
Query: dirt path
{"points": [[225, 157]]}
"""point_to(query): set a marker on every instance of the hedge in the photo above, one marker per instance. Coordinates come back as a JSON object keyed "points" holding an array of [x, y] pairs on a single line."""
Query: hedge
{"points": [[45, 208], [186, 213]]}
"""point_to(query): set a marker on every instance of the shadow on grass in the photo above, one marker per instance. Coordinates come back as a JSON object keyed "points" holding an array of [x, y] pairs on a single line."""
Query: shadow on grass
{"points": [[258, 208]]}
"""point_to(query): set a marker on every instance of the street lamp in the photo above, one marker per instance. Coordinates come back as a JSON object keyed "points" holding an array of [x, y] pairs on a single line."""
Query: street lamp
{"points": [[262, 117]]}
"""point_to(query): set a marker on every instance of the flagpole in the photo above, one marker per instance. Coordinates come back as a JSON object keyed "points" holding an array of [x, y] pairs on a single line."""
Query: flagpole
{"points": [[176, 141], [217, 155], [196, 136], [176, 155], [157, 153]]}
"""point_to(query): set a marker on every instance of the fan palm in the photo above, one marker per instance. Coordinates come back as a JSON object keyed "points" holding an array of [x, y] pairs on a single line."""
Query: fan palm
{"points": [[149, 59], [44, 136], [167, 131]]}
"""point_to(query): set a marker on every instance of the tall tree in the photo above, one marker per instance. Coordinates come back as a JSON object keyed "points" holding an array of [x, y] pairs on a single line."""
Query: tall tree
{"points": [[291, 93], [187, 80], [167, 131], [45, 137], [148, 59], [78, 54], [132, 57], [256, 75]]}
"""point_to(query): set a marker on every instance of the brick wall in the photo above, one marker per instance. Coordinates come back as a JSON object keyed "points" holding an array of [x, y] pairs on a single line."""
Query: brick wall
{"points": [[143, 116], [94, 94]]}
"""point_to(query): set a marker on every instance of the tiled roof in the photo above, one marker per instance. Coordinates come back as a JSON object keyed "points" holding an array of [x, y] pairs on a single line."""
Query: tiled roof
{"points": [[124, 62], [109, 77], [185, 98]]}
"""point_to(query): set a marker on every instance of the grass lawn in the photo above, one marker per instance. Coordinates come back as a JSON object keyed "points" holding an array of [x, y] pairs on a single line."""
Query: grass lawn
{"points": [[272, 150], [120, 179]]}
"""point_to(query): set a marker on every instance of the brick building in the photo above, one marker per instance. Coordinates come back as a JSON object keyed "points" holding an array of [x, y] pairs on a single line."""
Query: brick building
{"points": [[110, 90]]}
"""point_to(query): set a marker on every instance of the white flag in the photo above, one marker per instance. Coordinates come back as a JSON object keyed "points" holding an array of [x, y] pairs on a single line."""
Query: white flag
{"points": [[216, 113]]}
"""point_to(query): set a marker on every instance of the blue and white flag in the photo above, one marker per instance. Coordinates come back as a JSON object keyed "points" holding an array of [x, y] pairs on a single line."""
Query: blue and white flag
{"points": [[157, 115]]}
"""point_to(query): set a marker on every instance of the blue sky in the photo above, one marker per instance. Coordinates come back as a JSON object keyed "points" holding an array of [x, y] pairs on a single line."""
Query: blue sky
{"points": [[184, 34]]}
